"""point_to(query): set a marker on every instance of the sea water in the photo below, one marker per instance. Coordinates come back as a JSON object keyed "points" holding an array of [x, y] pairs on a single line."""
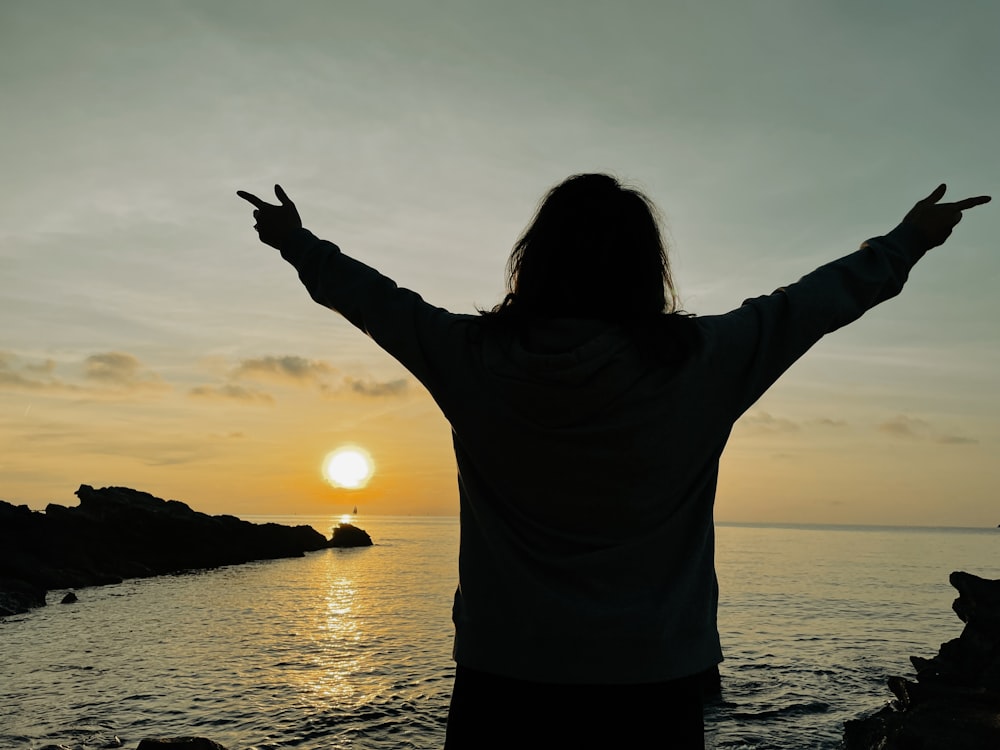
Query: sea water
{"points": [[352, 648]]}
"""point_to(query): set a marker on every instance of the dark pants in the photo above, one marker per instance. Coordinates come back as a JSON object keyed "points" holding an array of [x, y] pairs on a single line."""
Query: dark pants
{"points": [[489, 711]]}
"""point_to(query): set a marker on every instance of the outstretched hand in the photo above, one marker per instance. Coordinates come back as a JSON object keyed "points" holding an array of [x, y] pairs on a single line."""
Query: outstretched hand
{"points": [[275, 224], [936, 220]]}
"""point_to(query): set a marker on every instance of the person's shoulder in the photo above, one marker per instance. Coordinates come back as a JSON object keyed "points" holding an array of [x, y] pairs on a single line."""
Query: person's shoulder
{"points": [[668, 338], [469, 326], [723, 331]]}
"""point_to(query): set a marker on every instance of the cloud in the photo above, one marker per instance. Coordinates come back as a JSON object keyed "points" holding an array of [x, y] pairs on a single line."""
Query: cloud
{"points": [[15, 380], [287, 369], [372, 388], [153, 450], [902, 426], [174, 460], [114, 368], [26, 376], [43, 368], [827, 422], [295, 371], [104, 374], [957, 440], [120, 371], [763, 422], [231, 392], [912, 428]]}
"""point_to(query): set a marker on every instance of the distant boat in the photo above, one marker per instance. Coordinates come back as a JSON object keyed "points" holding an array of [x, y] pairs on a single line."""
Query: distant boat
{"points": [[355, 510]]}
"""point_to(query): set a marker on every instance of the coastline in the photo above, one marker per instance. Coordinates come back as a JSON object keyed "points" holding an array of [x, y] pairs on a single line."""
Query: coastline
{"points": [[116, 533]]}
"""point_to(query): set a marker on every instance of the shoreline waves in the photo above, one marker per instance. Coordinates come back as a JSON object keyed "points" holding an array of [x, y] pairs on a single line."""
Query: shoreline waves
{"points": [[351, 648]]}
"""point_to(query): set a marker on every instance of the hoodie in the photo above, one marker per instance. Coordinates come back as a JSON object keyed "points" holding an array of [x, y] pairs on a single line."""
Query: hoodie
{"points": [[587, 472]]}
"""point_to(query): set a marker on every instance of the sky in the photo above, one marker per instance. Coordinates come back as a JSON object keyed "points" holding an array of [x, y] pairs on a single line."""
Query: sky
{"points": [[147, 339]]}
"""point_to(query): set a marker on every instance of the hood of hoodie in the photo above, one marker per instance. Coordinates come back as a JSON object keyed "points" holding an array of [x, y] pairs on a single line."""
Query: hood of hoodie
{"points": [[562, 371]]}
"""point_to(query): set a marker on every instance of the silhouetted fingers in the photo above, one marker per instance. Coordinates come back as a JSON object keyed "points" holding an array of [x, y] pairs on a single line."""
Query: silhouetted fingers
{"points": [[282, 196], [936, 195], [251, 198], [971, 202]]}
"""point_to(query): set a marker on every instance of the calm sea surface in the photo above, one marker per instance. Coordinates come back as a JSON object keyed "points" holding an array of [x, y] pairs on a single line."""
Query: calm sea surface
{"points": [[351, 648]]}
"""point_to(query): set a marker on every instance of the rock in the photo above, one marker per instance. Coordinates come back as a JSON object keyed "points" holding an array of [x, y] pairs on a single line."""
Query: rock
{"points": [[70, 598], [179, 743], [18, 596], [349, 535], [978, 599], [117, 533], [955, 702]]}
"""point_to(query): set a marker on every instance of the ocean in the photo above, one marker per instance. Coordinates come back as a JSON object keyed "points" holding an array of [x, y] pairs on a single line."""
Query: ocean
{"points": [[352, 648]]}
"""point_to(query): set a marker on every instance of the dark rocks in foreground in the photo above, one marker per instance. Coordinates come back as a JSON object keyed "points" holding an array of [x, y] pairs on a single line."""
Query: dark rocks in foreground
{"points": [[955, 702], [17, 595], [117, 533], [349, 535]]}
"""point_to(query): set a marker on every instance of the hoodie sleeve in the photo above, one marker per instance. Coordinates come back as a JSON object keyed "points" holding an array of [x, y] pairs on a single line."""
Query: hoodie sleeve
{"points": [[414, 332], [757, 342]]}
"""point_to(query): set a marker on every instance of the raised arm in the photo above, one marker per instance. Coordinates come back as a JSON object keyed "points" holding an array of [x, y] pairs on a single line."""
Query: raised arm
{"points": [[414, 332], [758, 341]]}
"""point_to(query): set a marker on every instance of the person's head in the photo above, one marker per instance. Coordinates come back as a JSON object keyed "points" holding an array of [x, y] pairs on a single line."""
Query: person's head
{"points": [[593, 250]]}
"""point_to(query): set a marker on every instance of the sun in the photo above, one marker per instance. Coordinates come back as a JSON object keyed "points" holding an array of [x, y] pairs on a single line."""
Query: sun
{"points": [[349, 467]]}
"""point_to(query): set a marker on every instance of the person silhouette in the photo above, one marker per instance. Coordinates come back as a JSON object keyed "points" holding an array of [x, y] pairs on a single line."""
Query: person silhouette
{"points": [[588, 416]]}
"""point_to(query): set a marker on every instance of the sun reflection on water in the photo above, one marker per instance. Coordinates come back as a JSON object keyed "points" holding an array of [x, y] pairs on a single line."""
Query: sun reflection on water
{"points": [[341, 648]]}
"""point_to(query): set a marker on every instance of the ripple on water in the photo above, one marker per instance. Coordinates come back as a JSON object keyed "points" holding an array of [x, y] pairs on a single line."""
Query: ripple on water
{"points": [[352, 650]]}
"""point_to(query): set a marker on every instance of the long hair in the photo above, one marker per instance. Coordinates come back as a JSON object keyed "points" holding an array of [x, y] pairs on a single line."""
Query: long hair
{"points": [[593, 250]]}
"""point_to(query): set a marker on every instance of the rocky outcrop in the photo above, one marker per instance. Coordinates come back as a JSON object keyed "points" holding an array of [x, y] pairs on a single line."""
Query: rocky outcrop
{"points": [[349, 535], [17, 595], [116, 533], [955, 702]]}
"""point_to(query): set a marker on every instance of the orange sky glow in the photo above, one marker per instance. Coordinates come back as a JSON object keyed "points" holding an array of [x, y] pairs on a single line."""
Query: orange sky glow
{"points": [[150, 341]]}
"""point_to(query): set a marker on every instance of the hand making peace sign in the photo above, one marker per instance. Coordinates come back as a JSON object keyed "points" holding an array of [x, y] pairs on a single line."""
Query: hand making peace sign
{"points": [[275, 224], [936, 220]]}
